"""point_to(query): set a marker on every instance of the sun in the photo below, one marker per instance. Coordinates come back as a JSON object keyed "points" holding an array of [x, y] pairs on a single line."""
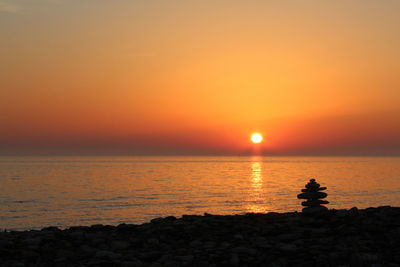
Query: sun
{"points": [[256, 138]]}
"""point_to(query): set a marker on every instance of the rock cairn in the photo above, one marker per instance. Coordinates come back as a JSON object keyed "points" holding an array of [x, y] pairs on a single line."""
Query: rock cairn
{"points": [[313, 195]]}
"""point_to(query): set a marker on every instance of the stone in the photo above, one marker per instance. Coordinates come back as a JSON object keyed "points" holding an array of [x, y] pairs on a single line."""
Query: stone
{"points": [[64, 253], [235, 261], [76, 235], [126, 227], [209, 244], [97, 227], [150, 255], [238, 236], [170, 219], [196, 243], [313, 210], [312, 195], [4, 243], [353, 211], [119, 245], [33, 241], [288, 247], [15, 264], [312, 186], [157, 220], [28, 254], [96, 241], [186, 258], [135, 241], [153, 241], [314, 203], [341, 213], [244, 250], [131, 264], [288, 236], [51, 229], [367, 257], [87, 249], [317, 189], [95, 235], [109, 255]]}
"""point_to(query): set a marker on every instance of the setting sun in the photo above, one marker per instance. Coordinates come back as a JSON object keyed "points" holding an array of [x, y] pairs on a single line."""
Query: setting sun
{"points": [[256, 138]]}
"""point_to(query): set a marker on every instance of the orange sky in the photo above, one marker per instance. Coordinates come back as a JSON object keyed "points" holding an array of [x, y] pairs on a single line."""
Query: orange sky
{"points": [[197, 77]]}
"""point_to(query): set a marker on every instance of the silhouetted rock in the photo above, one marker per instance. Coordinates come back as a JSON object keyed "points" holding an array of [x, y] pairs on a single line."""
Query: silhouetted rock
{"points": [[315, 209], [313, 194], [314, 203]]}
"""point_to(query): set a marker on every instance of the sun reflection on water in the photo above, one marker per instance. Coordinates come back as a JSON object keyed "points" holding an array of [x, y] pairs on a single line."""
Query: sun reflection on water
{"points": [[256, 198], [256, 177]]}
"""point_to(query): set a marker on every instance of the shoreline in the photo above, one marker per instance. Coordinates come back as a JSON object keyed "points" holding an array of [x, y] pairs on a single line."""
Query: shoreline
{"points": [[365, 237]]}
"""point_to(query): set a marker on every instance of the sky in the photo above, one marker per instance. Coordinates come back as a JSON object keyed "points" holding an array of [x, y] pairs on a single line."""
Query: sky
{"points": [[198, 77]]}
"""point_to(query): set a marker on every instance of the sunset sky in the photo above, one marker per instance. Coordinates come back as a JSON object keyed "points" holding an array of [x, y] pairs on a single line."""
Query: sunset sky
{"points": [[198, 77]]}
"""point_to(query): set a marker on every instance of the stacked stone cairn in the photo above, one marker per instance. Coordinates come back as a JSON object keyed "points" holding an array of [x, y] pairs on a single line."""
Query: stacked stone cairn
{"points": [[312, 193]]}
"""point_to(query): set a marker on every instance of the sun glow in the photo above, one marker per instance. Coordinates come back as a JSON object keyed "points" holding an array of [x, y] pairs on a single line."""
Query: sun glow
{"points": [[256, 138]]}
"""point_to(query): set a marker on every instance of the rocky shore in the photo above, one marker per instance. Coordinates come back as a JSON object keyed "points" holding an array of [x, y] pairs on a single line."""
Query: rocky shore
{"points": [[368, 237]]}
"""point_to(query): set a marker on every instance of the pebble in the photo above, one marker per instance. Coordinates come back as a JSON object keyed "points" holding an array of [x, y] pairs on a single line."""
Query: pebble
{"points": [[313, 210], [104, 254], [196, 243], [119, 245], [186, 258], [244, 250], [153, 241], [235, 261], [288, 247], [341, 213]]}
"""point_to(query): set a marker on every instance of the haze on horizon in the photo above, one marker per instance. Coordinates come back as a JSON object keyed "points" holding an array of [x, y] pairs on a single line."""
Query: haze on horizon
{"points": [[198, 77]]}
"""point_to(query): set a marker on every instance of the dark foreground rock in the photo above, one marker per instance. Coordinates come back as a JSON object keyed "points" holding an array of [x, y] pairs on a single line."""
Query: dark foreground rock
{"points": [[352, 237]]}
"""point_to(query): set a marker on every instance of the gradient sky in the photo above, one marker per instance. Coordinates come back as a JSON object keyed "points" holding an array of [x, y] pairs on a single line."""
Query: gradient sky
{"points": [[198, 77]]}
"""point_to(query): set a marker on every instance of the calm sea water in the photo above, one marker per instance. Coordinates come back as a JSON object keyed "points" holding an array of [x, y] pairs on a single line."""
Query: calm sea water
{"points": [[66, 191]]}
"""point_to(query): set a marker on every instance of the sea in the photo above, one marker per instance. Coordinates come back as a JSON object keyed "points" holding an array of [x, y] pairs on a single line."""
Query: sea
{"points": [[37, 192]]}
